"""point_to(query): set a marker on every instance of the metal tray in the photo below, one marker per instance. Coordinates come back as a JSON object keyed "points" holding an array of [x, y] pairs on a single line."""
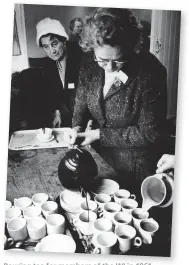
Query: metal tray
{"points": [[25, 140]]}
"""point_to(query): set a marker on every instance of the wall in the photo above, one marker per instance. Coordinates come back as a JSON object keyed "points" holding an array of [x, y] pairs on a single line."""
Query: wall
{"points": [[166, 29], [20, 62]]}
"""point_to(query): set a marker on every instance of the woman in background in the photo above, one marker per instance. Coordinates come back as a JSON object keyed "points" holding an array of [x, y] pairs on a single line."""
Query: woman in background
{"points": [[44, 96], [123, 90]]}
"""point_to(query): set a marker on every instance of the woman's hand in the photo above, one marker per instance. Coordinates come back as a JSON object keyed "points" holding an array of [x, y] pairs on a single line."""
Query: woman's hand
{"points": [[57, 119], [165, 163], [90, 136], [73, 134]]}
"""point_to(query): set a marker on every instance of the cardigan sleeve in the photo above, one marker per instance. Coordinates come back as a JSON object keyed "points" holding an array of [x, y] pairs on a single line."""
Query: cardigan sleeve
{"points": [[149, 127]]}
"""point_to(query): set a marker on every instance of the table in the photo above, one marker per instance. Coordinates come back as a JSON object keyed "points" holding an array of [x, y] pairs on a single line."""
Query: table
{"points": [[34, 171], [39, 173]]}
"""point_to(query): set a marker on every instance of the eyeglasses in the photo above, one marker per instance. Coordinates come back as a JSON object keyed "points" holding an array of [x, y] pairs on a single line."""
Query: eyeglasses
{"points": [[105, 62]]}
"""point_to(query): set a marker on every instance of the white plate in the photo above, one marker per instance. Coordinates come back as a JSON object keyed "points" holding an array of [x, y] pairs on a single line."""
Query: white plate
{"points": [[56, 243]]}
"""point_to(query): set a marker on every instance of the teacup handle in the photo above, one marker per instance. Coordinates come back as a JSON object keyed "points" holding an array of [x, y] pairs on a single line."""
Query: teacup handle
{"points": [[137, 241], [101, 214], [132, 196], [9, 243], [97, 250]]}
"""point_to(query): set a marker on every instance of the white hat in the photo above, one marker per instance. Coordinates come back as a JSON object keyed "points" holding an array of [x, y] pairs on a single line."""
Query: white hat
{"points": [[49, 25]]}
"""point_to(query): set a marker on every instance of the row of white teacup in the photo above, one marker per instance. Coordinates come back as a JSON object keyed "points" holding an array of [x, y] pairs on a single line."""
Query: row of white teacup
{"points": [[118, 196], [88, 224], [109, 208], [23, 202], [29, 208], [102, 229], [36, 228]]}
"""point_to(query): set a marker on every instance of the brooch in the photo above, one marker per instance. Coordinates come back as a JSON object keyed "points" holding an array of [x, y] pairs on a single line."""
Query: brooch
{"points": [[117, 82]]}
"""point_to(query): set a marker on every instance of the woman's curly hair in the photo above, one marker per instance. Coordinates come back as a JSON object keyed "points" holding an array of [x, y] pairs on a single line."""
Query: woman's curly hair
{"points": [[112, 26]]}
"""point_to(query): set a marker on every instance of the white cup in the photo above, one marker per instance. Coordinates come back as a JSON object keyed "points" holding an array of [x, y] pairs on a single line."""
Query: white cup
{"points": [[102, 225], [101, 199], [85, 222], [121, 218], [122, 194], [126, 235], [110, 208], [138, 215], [89, 206], [22, 203], [105, 243], [30, 212], [39, 198], [128, 205], [43, 136], [8, 205], [17, 229], [147, 229], [36, 228], [49, 207], [55, 224], [12, 213]]}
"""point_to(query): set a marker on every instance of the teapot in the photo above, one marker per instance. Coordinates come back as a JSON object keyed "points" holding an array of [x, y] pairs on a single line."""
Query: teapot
{"points": [[157, 190], [77, 169]]}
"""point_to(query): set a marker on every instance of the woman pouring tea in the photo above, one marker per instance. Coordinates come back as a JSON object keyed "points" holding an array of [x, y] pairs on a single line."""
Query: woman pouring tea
{"points": [[123, 90]]}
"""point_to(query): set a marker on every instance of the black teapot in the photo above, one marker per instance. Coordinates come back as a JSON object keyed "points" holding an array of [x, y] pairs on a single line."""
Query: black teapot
{"points": [[77, 169]]}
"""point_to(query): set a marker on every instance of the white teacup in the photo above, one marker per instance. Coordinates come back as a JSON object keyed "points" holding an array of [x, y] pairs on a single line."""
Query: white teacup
{"points": [[85, 222], [39, 198], [121, 218], [89, 206], [17, 229], [8, 205], [36, 228], [49, 207], [43, 135], [122, 194], [128, 205], [147, 229], [138, 215], [105, 243], [31, 212], [22, 203], [55, 224], [102, 225], [101, 199], [12, 213], [127, 237], [110, 208]]}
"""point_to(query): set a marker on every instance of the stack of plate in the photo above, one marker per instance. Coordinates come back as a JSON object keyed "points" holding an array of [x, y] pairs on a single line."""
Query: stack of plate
{"points": [[71, 201]]}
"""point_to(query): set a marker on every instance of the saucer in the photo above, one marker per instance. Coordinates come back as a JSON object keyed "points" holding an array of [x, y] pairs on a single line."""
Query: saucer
{"points": [[107, 186], [56, 243]]}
